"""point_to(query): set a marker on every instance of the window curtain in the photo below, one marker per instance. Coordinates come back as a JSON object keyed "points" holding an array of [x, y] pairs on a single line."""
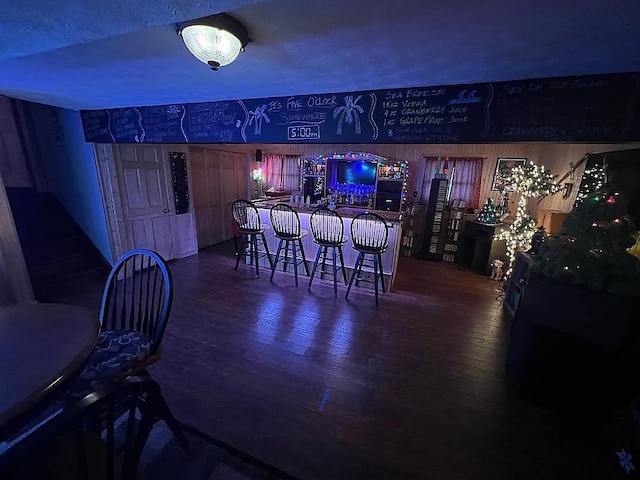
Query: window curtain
{"points": [[272, 171], [281, 172], [291, 173], [465, 175]]}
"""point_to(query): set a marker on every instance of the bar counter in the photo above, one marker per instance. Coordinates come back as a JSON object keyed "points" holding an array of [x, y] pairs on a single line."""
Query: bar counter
{"points": [[389, 258]]}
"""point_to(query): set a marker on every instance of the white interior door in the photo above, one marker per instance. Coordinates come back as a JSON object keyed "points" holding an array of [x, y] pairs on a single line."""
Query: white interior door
{"points": [[145, 199]]}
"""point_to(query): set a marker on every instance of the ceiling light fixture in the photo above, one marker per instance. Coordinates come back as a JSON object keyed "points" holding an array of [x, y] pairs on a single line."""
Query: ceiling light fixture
{"points": [[216, 40]]}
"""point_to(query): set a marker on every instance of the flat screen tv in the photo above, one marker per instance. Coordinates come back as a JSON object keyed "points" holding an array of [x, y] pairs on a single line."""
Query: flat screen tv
{"points": [[357, 172]]}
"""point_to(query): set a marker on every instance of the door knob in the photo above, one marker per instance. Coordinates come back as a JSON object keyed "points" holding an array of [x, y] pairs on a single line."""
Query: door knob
{"points": [[166, 210]]}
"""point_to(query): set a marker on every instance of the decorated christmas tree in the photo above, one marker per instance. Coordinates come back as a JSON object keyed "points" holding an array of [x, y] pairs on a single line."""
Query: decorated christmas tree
{"points": [[593, 248], [488, 214]]}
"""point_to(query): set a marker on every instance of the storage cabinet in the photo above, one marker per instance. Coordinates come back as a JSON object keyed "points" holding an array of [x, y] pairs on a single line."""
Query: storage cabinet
{"points": [[389, 187], [313, 176], [478, 248], [571, 348]]}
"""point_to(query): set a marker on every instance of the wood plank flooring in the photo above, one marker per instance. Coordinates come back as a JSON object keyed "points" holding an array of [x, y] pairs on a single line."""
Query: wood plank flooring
{"points": [[325, 388]]}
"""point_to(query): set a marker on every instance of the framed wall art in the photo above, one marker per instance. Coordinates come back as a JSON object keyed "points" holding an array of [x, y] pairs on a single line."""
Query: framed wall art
{"points": [[503, 167]]}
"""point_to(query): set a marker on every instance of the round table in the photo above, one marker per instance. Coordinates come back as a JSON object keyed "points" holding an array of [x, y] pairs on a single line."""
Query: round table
{"points": [[41, 346]]}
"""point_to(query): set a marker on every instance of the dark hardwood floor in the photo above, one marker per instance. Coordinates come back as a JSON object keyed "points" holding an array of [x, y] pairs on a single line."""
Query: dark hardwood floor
{"points": [[324, 388]]}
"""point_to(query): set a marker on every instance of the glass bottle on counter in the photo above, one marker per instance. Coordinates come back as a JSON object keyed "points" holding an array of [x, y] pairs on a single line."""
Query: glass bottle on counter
{"points": [[349, 194]]}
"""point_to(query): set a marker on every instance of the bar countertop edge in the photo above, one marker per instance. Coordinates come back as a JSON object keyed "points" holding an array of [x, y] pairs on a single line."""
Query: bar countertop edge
{"points": [[344, 210]]}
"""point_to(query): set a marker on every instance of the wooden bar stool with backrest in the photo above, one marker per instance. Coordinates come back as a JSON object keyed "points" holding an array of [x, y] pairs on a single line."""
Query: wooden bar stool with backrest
{"points": [[327, 228], [369, 233], [286, 227], [247, 220]]}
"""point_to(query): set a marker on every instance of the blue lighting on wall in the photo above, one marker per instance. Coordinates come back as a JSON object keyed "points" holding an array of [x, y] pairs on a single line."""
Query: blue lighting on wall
{"points": [[357, 172]]}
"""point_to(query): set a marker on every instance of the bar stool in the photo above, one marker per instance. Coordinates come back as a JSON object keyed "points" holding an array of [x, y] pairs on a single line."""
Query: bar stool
{"points": [[327, 228], [247, 220], [370, 237], [286, 228]]}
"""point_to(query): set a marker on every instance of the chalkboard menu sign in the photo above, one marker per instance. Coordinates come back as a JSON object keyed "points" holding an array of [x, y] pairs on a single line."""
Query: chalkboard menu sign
{"points": [[595, 108], [180, 181]]}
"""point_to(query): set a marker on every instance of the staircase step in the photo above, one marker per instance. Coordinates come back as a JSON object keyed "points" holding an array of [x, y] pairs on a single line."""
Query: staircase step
{"points": [[39, 217], [36, 255], [54, 246], [55, 290], [63, 266]]}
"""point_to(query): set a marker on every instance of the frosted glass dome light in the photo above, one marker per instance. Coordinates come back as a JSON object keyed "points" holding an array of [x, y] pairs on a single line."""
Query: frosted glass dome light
{"points": [[215, 40]]}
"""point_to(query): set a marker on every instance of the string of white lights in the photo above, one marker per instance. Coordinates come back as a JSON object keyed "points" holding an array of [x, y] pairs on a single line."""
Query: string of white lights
{"points": [[531, 181]]}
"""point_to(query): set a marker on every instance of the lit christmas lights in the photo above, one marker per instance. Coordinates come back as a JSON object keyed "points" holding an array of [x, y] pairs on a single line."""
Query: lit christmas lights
{"points": [[404, 165], [530, 181], [488, 214], [353, 156], [592, 181], [396, 171], [519, 233]]}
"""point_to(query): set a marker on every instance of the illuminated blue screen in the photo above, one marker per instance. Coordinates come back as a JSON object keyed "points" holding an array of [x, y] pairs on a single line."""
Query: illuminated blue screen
{"points": [[357, 172]]}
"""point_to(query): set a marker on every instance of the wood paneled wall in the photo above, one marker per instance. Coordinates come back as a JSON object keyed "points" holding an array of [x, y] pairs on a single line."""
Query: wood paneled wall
{"points": [[556, 157], [414, 155]]}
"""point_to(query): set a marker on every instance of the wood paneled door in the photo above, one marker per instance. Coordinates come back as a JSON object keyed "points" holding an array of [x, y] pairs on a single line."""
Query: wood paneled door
{"points": [[219, 178], [145, 199]]}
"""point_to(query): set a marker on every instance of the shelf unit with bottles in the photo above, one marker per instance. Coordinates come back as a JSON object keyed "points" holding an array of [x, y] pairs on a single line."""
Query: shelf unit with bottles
{"points": [[313, 177], [391, 186], [351, 179]]}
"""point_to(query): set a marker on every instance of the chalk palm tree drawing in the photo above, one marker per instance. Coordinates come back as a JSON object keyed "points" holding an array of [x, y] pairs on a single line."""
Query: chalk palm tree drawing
{"points": [[258, 115], [349, 113]]}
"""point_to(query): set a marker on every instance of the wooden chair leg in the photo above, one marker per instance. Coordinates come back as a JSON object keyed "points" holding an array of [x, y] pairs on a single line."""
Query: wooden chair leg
{"points": [[83, 467], [354, 273], [295, 261], [335, 273], [324, 261], [344, 270], [254, 238], [164, 413], [375, 276], [304, 258], [266, 249], [286, 256], [315, 266], [241, 253], [275, 260], [109, 420], [381, 273]]}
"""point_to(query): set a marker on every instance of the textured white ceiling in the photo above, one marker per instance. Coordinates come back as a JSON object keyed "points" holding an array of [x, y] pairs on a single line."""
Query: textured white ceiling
{"points": [[105, 53]]}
